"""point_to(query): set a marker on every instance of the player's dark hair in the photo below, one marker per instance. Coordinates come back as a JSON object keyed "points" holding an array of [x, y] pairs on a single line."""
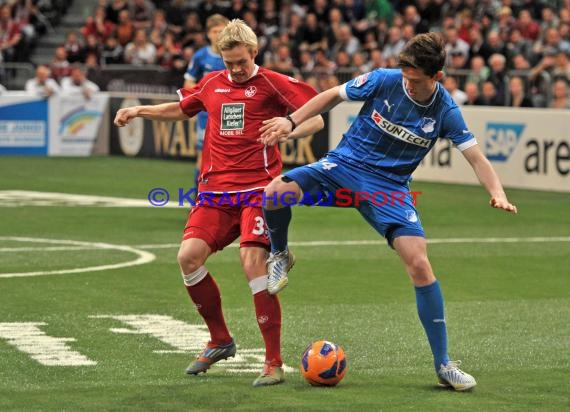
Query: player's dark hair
{"points": [[425, 51]]}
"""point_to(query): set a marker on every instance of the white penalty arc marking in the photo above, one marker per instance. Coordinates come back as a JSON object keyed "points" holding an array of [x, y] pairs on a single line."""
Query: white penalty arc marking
{"points": [[142, 258], [319, 243]]}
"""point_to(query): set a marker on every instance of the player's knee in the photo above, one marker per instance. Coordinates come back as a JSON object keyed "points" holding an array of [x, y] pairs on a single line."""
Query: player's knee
{"points": [[420, 270], [276, 191], [189, 262], [254, 265]]}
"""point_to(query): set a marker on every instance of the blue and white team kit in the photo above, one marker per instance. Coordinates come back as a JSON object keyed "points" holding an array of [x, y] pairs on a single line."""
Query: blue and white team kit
{"points": [[383, 146], [204, 61]]}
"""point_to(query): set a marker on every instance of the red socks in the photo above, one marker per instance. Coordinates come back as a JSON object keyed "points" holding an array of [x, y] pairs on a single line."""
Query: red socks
{"points": [[268, 313], [206, 297]]}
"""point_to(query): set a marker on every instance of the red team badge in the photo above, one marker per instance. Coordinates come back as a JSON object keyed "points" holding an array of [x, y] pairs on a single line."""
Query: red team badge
{"points": [[250, 91]]}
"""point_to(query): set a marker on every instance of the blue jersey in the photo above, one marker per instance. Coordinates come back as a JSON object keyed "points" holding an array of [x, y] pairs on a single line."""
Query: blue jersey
{"points": [[392, 133], [204, 61]]}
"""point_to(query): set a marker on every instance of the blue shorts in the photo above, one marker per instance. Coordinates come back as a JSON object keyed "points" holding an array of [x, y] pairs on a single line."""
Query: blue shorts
{"points": [[386, 205]]}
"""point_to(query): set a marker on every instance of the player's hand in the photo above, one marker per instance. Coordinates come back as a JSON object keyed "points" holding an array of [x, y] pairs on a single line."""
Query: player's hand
{"points": [[275, 130], [124, 116], [501, 202]]}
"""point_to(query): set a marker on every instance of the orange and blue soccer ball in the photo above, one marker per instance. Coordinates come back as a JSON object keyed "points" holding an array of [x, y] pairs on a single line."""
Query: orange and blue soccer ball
{"points": [[323, 363]]}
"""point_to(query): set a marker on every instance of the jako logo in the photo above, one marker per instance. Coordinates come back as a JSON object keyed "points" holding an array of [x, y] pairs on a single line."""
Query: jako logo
{"points": [[502, 139]]}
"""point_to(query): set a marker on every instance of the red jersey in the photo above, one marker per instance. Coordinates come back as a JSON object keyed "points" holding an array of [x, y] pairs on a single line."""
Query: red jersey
{"points": [[233, 160]]}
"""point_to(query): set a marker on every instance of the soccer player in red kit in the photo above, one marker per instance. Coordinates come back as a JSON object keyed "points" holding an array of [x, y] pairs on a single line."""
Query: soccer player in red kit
{"points": [[234, 162]]}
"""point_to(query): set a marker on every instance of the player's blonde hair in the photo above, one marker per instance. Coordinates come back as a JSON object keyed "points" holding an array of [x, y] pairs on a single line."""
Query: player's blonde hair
{"points": [[216, 20], [236, 33]]}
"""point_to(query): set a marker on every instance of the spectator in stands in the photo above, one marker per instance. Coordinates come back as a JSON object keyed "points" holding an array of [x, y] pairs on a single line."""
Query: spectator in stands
{"points": [[517, 95], [451, 8], [505, 19], [458, 95], [312, 32], [498, 75], [561, 69], [413, 18], [322, 62], [564, 33], [159, 22], [98, 25], [142, 12], [192, 33], [77, 84], [10, 34], [518, 45], [394, 44], [546, 64], [306, 62], [169, 51], [479, 71], [370, 42], [92, 50], [493, 44], [321, 9], [114, 9], [327, 80], [457, 61], [550, 41], [472, 94], [528, 27], [429, 11], [24, 13], [466, 25], [360, 63], [519, 62], [281, 60], [343, 62], [548, 18], [408, 31], [59, 65], [125, 30], [112, 52], [455, 45], [489, 95], [140, 51], [560, 97], [345, 40], [42, 85], [377, 60], [335, 20], [74, 47]]}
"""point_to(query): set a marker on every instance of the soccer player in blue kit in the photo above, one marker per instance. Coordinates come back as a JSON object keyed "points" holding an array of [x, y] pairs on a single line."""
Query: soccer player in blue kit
{"points": [[206, 59], [405, 111]]}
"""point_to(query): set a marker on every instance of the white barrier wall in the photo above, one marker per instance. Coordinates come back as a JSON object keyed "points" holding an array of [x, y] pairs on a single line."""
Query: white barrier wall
{"points": [[58, 126], [529, 148]]}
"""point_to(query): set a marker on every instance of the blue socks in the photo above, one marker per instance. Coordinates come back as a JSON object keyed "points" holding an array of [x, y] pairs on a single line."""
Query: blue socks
{"points": [[429, 300], [278, 225]]}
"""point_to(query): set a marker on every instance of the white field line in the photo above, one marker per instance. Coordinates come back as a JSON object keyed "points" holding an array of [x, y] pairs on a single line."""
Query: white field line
{"points": [[142, 256], [318, 243]]}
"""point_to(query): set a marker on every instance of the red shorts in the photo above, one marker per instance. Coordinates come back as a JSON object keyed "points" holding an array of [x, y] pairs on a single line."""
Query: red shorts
{"points": [[220, 225]]}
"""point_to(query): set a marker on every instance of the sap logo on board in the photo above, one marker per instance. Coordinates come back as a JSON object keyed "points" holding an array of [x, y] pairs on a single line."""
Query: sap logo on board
{"points": [[502, 139]]}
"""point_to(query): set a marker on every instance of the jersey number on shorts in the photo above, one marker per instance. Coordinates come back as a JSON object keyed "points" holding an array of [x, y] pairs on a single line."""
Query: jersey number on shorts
{"points": [[259, 228]]}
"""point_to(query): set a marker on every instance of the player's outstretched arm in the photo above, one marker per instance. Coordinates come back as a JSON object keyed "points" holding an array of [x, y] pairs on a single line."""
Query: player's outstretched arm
{"points": [[280, 126], [488, 178], [164, 111], [307, 128]]}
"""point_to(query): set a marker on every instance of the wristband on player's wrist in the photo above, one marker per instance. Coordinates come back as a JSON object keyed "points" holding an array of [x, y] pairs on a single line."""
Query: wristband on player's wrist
{"points": [[293, 124]]}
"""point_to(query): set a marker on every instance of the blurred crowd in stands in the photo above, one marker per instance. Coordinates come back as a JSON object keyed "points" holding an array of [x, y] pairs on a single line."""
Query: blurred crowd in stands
{"points": [[500, 52]]}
